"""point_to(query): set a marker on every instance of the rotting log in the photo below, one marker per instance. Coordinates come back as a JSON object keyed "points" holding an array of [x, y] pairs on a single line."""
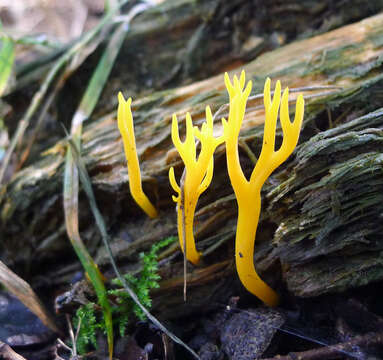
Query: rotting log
{"points": [[181, 41], [321, 217], [336, 184]]}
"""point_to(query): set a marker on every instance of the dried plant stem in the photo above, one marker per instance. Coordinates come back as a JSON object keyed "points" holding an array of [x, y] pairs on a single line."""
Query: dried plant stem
{"points": [[57, 67]]}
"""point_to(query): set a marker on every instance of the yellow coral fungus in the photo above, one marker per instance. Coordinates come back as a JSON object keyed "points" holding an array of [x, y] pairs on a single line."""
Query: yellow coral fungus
{"points": [[125, 125], [197, 178], [248, 192]]}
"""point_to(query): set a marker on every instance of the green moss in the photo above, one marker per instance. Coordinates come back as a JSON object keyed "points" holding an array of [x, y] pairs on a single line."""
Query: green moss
{"points": [[125, 308]]}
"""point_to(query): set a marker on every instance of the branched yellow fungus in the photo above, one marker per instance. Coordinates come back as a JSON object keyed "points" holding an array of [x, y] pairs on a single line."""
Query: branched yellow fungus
{"points": [[125, 125], [197, 178], [248, 192]]}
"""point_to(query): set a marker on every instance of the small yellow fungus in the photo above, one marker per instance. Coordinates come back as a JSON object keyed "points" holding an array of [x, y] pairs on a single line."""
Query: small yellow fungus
{"points": [[125, 125], [248, 192], [196, 179]]}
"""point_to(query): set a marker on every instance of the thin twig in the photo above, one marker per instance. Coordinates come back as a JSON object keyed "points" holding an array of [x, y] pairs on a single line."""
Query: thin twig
{"points": [[335, 351], [65, 346], [72, 336]]}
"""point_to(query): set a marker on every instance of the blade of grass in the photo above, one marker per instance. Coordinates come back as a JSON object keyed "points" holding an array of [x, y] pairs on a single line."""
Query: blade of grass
{"points": [[22, 290], [71, 181], [51, 76], [7, 55], [70, 67], [86, 107], [40, 120], [87, 186], [74, 161], [41, 42], [71, 222]]}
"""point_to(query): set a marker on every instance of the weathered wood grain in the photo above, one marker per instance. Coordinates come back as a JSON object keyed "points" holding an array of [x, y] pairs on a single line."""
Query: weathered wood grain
{"points": [[322, 211]]}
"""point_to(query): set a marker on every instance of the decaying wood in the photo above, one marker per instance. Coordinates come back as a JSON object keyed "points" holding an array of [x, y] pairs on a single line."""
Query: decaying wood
{"points": [[321, 210], [180, 41]]}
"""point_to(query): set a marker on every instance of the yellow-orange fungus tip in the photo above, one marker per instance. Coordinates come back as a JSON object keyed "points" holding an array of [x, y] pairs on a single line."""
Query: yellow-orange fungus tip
{"points": [[126, 128], [197, 178], [248, 192]]}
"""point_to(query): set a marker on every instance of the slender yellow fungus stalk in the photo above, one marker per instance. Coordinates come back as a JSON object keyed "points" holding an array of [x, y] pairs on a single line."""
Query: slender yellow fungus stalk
{"points": [[198, 175], [125, 125], [248, 192]]}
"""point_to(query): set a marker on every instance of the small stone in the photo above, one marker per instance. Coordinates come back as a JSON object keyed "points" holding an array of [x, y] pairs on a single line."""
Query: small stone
{"points": [[247, 334]]}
